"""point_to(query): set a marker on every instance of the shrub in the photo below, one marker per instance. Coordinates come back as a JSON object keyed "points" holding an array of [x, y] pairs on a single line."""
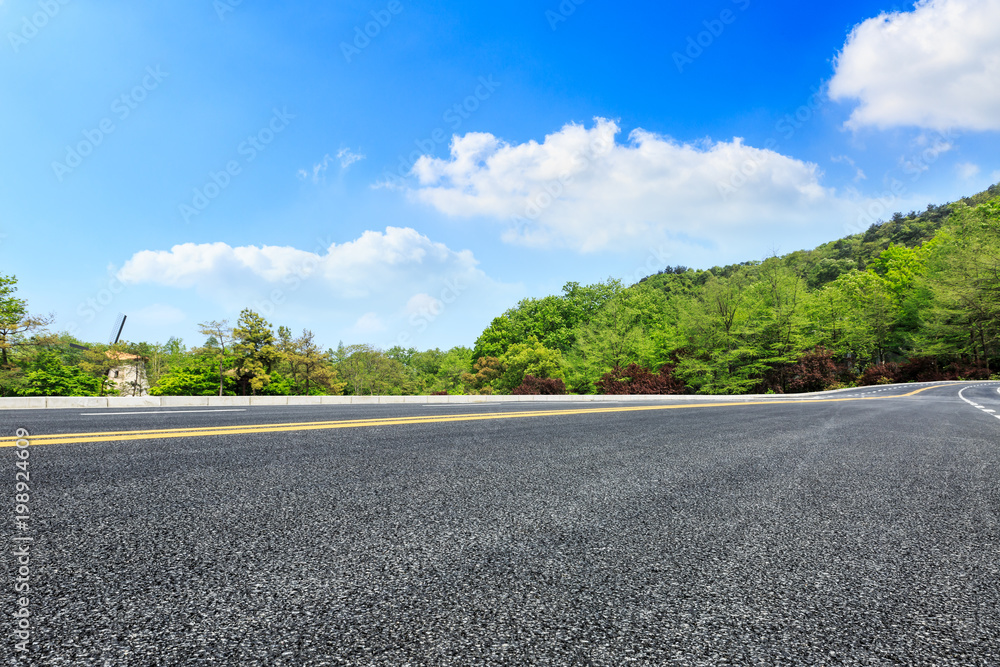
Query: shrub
{"points": [[921, 369], [815, 371], [487, 372], [634, 379], [532, 386], [925, 369], [528, 358], [887, 373], [960, 371], [64, 381], [278, 385]]}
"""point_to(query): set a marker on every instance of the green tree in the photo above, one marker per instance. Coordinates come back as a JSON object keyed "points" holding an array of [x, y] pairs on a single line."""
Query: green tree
{"points": [[221, 334], [368, 370], [453, 365], [717, 326], [502, 332], [15, 321], [50, 377], [898, 266], [963, 283], [856, 316], [528, 358], [485, 376], [627, 329], [196, 378], [311, 369], [780, 320], [553, 320], [254, 351], [871, 315]]}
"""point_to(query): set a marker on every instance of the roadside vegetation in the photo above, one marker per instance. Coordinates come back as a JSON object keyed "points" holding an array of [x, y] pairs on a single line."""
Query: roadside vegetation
{"points": [[913, 298]]}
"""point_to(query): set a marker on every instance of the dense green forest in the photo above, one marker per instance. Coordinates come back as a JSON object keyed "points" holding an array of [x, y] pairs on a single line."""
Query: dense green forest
{"points": [[913, 298]]}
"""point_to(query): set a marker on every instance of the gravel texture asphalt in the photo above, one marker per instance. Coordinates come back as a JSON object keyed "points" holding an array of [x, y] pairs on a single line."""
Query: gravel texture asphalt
{"points": [[857, 532]]}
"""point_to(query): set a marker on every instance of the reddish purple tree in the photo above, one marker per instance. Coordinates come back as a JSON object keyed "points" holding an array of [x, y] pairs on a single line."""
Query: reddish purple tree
{"points": [[815, 371], [887, 373], [532, 386], [634, 379]]}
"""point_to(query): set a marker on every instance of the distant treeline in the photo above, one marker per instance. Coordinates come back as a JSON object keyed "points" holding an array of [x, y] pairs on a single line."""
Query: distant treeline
{"points": [[914, 298]]}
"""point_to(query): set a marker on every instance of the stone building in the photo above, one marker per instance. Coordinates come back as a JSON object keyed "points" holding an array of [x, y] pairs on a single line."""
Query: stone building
{"points": [[128, 378]]}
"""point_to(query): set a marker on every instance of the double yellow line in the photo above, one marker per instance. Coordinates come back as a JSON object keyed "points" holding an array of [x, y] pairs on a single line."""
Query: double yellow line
{"points": [[189, 432]]}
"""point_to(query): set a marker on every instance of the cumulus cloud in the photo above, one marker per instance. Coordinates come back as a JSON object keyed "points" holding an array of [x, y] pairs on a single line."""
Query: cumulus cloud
{"points": [[581, 188], [355, 269], [937, 67]]}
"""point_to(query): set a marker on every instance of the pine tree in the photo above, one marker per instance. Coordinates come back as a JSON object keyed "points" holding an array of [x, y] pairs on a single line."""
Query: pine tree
{"points": [[254, 350]]}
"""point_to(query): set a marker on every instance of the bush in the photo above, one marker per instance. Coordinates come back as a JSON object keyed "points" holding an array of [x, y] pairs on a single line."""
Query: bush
{"points": [[53, 378], [960, 371], [487, 372], [528, 358], [278, 385], [880, 374], [634, 379], [921, 369], [815, 371], [532, 386], [186, 382]]}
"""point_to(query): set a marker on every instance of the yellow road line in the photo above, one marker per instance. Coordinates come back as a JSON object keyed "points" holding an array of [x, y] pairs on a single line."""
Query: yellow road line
{"points": [[936, 386], [65, 438], [191, 432]]}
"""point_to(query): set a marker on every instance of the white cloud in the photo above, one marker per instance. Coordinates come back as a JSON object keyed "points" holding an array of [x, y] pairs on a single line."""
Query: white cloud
{"points": [[936, 67], [318, 172], [581, 189], [191, 265], [967, 170], [925, 154], [355, 269], [347, 158]]}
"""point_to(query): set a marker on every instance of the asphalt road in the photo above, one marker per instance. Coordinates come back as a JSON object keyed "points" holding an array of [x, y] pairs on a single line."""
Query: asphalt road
{"points": [[859, 530]]}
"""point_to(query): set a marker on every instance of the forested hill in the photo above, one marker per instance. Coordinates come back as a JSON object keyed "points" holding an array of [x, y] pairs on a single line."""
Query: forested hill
{"points": [[915, 297], [826, 262]]}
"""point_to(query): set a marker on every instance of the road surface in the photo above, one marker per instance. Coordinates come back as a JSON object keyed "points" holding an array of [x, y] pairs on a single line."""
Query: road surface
{"points": [[860, 528]]}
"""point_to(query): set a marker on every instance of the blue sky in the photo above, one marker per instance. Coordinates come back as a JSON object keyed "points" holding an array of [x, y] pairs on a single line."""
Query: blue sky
{"points": [[179, 162]]}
